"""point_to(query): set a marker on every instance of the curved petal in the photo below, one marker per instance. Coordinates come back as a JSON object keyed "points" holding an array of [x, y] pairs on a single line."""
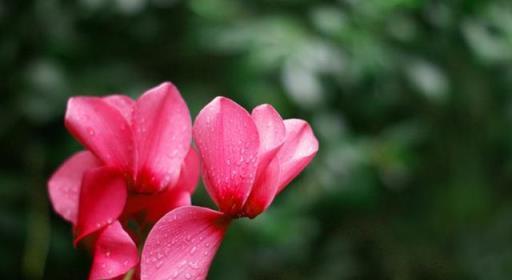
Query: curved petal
{"points": [[154, 206], [189, 175], [298, 150], [102, 199], [115, 253], [228, 142], [182, 244], [270, 126], [162, 133], [149, 208], [64, 185], [165, 203], [272, 132], [263, 191], [101, 129], [124, 104]]}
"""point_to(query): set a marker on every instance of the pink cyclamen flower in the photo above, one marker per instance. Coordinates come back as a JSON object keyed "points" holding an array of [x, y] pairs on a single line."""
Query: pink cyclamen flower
{"points": [[247, 159], [138, 166]]}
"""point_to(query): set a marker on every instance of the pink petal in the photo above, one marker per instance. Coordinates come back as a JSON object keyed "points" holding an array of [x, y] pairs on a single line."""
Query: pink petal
{"points": [[182, 244], [165, 203], [156, 205], [270, 128], [64, 185], [298, 150], [189, 175], [272, 133], [228, 142], [102, 129], [115, 253], [148, 208], [162, 133], [124, 104], [102, 199], [263, 191]]}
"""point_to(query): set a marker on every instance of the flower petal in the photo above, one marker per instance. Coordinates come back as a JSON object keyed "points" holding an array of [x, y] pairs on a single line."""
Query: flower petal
{"points": [[298, 150], [64, 185], [189, 175], [228, 143], [149, 208], [102, 199], [165, 203], [270, 126], [124, 104], [263, 191], [154, 206], [182, 244], [115, 253], [272, 133], [101, 129], [162, 133]]}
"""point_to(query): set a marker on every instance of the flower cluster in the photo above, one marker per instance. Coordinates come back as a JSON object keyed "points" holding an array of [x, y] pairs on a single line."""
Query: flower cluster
{"points": [[139, 170]]}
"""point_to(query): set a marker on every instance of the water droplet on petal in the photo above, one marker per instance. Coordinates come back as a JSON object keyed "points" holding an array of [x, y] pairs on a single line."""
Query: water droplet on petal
{"points": [[159, 264]]}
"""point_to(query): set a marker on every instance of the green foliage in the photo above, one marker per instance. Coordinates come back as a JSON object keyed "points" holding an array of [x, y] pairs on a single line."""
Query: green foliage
{"points": [[410, 99]]}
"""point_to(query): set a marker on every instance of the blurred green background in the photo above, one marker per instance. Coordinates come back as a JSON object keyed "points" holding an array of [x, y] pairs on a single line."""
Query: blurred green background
{"points": [[411, 101]]}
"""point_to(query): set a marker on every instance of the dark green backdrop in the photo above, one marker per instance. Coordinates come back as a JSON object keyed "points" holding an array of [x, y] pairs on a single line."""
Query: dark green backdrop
{"points": [[411, 101]]}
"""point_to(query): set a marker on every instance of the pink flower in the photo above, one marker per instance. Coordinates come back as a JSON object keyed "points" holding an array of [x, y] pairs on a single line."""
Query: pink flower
{"points": [[138, 166], [247, 159]]}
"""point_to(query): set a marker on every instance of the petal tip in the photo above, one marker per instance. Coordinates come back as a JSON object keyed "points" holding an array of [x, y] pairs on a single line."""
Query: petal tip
{"points": [[264, 106]]}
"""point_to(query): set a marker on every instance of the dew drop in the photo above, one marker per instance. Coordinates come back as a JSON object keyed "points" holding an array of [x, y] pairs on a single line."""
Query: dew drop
{"points": [[159, 264], [193, 265]]}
